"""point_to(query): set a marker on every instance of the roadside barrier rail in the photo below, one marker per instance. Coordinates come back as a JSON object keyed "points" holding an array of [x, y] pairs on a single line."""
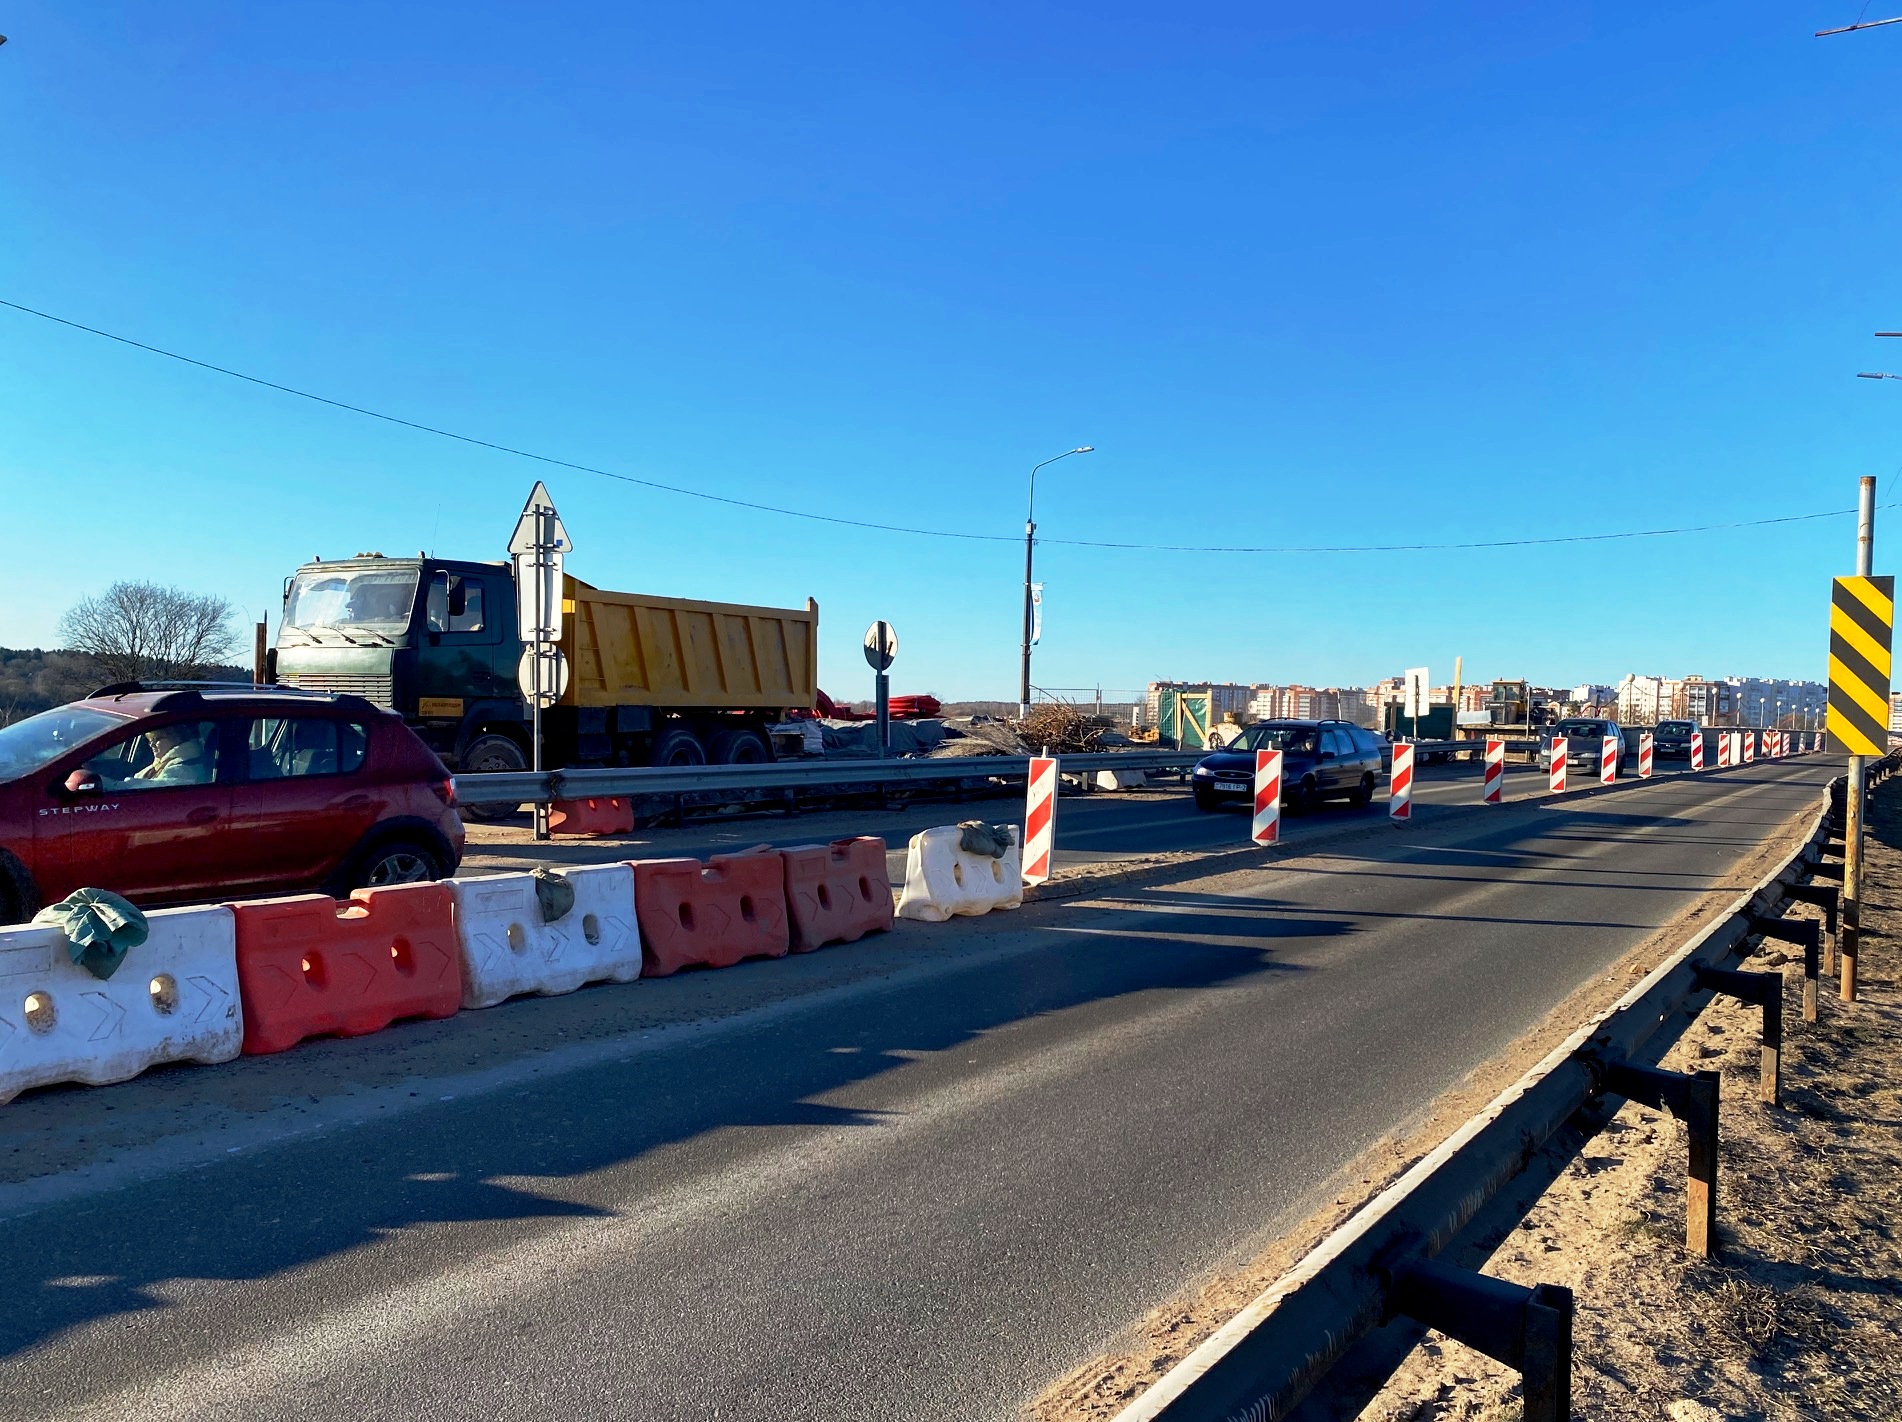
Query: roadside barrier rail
{"points": [[517, 787], [1380, 1265]]}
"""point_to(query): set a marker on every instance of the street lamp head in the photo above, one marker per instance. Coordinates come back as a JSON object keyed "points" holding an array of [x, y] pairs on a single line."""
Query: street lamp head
{"points": [[1876, 375], [1084, 449]]}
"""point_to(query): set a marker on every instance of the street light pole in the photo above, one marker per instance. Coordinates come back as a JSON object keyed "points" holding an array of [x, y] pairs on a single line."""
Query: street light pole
{"points": [[1030, 548]]}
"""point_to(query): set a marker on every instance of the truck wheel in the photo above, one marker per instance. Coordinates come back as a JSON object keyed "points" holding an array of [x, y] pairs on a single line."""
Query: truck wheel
{"points": [[485, 754], [739, 748], [678, 746]]}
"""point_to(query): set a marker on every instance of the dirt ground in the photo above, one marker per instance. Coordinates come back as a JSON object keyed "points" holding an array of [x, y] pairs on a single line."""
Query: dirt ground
{"points": [[1799, 1316], [1103, 1387]]}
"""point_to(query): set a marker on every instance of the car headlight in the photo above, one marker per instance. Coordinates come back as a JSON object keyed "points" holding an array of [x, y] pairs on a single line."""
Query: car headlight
{"points": [[1203, 770]]}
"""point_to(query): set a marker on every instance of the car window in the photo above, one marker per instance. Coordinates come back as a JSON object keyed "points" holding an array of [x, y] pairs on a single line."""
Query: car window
{"points": [[290, 747], [1364, 741], [1333, 740], [1283, 738], [179, 753], [455, 603], [38, 741]]}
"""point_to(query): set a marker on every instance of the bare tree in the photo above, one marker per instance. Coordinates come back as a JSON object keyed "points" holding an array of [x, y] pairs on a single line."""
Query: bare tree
{"points": [[138, 631]]}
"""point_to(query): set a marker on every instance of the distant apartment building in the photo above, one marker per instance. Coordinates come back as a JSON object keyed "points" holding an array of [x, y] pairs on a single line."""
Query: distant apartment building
{"points": [[1263, 701]]}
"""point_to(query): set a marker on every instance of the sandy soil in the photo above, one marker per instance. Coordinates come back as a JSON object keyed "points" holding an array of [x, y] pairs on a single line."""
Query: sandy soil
{"points": [[1798, 1317], [1103, 1387]]}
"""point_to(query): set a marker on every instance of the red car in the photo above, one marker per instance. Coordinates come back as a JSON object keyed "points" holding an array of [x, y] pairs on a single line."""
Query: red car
{"points": [[208, 793]]}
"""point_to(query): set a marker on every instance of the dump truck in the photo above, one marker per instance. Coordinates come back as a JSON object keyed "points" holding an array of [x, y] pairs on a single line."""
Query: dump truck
{"points": [[651, 680]]}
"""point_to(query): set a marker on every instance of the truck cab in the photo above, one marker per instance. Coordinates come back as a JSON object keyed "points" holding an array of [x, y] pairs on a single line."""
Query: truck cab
{"points": [[431, 639]]}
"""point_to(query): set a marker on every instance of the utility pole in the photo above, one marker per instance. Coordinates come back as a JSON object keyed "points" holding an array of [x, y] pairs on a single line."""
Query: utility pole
{"points": [[1852, 790], [1030, 549]]}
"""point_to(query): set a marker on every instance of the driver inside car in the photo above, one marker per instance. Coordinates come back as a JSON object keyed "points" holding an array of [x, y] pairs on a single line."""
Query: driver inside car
{"points": [[179, 756]]}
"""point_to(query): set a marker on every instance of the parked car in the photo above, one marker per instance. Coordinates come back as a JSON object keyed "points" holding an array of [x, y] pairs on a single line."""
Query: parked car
{"points": [[1322, 760], [1672, 739], [187, 793], [1584, 741]]}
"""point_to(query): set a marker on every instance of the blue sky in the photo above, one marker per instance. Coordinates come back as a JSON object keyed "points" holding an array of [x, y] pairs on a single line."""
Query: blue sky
{"points": [[1414, 273]]}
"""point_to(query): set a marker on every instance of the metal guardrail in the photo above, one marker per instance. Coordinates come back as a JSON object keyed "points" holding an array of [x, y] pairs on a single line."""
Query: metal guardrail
{"points": [[516, 787], [1380, 1264]]}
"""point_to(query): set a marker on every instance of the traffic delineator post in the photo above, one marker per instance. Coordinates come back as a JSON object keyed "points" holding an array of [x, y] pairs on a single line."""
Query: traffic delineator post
{"points": [[1040, 819], [1697, 750], [1608, 750], [1493, 791], [1267, 824], [1400, 785], [1555, 781], [1645, 747]]}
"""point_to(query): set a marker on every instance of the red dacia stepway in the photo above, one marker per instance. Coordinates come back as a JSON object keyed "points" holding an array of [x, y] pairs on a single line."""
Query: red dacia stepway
{"points": [[202, 793]]}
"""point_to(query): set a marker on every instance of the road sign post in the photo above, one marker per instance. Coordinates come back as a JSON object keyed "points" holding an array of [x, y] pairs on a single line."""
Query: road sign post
{"points": [[1861, 640], [537, 546], [881, 648]]}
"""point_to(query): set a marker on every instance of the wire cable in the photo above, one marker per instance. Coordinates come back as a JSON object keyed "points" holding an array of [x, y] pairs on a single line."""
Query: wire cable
{"points": [[731, 502]]}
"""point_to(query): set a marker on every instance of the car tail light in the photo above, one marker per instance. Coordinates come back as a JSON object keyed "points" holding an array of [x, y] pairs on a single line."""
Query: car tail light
{"points": [[446, 792]]}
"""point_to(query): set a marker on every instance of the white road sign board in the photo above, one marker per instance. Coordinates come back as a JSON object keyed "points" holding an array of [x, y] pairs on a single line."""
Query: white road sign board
{"points": [[538, 544], [1416, 696]]}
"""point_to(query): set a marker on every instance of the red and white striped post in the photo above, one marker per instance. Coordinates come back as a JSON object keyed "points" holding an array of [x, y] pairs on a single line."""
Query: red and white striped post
{"points": [[1723, 750], [1697, 750], [1749, 746], [1267, 826], [1559, 752], [1400, 784], [1608, 759], [1040, 818], [1645, 748], [1495, 783]]}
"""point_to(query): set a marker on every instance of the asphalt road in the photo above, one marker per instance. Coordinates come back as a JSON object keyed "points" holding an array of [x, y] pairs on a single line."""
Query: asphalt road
{"points": [[919, 1188], [1098, 828]]}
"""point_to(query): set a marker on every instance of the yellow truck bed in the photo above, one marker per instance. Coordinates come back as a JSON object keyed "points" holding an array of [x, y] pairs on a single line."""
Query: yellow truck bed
{"points": [[627, 649]]}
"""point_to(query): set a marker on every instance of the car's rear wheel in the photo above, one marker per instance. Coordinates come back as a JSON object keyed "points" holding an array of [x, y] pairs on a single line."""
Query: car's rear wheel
{"points": [[396, 861], [486, 755]]}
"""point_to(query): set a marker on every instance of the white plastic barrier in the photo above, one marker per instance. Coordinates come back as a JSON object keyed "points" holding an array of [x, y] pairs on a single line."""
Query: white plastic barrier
{"points": [[173, 999], [943, 880], [507, 950]]}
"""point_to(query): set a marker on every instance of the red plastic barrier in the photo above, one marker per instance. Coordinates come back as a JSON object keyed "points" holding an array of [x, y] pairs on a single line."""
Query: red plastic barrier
{"points": [[713, 915], [608, 815], [837, 892], [910, 708], [314, 966]]}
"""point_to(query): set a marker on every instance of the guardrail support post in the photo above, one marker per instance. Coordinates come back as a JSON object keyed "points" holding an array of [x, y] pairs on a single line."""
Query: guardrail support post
{"points": [[1766, 991], [1807, 932], [1528, 1329], [1692, 1098], [1825, 897]]}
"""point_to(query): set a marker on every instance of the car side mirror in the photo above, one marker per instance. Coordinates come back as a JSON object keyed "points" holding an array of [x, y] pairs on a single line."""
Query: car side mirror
{"points": [[83, 782], [1327, 755]]}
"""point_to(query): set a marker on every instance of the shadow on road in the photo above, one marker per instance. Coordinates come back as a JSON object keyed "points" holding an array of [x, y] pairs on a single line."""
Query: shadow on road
{"points": [[295, 1204]]}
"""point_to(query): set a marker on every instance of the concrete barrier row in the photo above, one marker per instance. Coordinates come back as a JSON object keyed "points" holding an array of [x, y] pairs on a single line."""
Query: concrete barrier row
{"points": [[209, 983]]}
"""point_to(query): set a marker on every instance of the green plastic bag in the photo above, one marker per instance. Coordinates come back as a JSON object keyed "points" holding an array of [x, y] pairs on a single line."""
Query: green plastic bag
{"points": [[100, 928]]}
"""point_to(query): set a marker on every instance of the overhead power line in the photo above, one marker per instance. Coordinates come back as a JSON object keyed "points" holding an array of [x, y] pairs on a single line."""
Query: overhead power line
{"points": [[731, 502]]}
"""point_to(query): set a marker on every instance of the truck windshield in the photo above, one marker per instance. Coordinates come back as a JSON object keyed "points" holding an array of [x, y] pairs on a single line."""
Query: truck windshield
{"points": [[352, 597], [38, 741]]}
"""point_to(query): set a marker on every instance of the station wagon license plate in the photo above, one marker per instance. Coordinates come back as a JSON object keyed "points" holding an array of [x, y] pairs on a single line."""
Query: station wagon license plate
{"points": [[1238, 786]]}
